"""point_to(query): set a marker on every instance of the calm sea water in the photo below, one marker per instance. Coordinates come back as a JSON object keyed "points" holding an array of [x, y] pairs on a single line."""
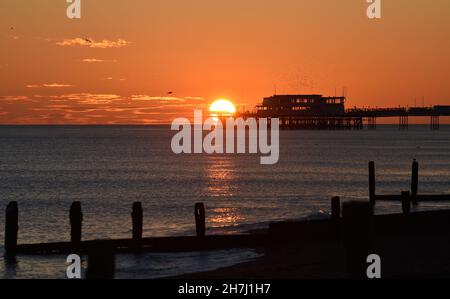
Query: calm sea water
{"points": [[108, 168]]}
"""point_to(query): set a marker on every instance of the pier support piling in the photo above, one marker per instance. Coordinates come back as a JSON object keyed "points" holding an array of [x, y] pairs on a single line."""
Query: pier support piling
{"points": [[403, 122], [372, 182], [137, 220], [76, 219], [372, 123], [200, 223], [434, 124], [11, 228]]}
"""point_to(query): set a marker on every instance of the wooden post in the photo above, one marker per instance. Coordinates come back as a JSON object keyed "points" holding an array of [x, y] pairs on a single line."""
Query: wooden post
{"points": [[101, 262], [414, 181], [76, 219], [11, 228], [335, 208], [357, 231], [137, 219], [200, 219], [372, 182], [406, 202]]}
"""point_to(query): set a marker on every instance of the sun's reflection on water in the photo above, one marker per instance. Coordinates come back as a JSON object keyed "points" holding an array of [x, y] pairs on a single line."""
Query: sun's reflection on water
{"points": [[221, 182], [225, 217], [220, 174]]}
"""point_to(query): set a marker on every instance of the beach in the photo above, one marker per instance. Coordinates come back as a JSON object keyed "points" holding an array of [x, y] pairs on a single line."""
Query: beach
{"points": [[423, 256]]}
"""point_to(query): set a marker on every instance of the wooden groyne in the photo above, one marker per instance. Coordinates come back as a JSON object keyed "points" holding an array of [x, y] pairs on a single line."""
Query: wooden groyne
{"points": [[331, 227], [136, 243], [357, 230], [408, 223], [414, 195]]}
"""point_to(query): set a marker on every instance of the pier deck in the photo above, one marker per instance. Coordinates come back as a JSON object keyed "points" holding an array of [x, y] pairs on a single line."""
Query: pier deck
{"points": [[329, 113]]}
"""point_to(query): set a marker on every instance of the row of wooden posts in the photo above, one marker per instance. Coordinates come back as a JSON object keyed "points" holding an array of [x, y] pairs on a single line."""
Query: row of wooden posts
{"points": [[76, 214], [76, 220], [356, 217], [355, 224], [407, 198], [101, 258], [414, 182]]}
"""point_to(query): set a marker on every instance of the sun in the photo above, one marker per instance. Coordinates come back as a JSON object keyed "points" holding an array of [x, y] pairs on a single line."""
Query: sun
{"points": [[222, 107]]}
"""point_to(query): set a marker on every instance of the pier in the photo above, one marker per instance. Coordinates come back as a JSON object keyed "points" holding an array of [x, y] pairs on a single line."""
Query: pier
{"points": [[329, 113]]}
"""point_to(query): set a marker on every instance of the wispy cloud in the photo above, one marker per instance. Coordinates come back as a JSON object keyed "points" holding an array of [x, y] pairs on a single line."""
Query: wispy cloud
{"points": [[48, 85], [86, 42], [14, 98], [95, 108], [193, 98], [13, 37], [88, 98], [142, 97], [96, 60], [92, 60], [56, 85], [112, 78]]}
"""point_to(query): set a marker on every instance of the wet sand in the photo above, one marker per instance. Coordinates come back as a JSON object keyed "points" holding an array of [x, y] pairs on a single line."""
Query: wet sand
{"points": [[422, 256]]}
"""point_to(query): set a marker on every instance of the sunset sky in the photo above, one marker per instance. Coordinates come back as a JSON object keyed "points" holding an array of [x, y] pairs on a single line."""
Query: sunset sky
{"points": [[150, 61]]}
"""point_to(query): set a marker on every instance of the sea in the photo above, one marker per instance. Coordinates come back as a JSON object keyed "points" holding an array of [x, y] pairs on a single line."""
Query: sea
{"points": [[107, 168]]}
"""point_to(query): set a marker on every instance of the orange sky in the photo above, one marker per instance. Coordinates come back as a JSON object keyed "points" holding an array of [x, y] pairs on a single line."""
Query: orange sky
{"points": [[206, 49]]}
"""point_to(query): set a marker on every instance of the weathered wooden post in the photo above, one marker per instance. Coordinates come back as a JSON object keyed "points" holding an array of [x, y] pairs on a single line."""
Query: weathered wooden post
{"points": [[11, 228], [414, 181], [406, 202], [335, 208], [200, 219], [335, 229], [372, 182], [76, 219], [101, 261], [357, 231], [137, 219]]}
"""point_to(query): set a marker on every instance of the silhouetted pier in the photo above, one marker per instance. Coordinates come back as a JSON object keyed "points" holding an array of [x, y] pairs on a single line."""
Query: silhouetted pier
{"points": [[319, 112]]}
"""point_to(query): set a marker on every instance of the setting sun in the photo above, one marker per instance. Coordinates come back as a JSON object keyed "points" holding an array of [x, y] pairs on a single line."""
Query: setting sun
{"points": [[222, 107]]}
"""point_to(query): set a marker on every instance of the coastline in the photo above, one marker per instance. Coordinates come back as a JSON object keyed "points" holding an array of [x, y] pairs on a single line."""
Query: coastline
{"points": [[413, 255]]}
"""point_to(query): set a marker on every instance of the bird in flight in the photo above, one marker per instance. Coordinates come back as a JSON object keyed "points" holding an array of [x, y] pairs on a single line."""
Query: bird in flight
{"points": [[88, 40]]}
